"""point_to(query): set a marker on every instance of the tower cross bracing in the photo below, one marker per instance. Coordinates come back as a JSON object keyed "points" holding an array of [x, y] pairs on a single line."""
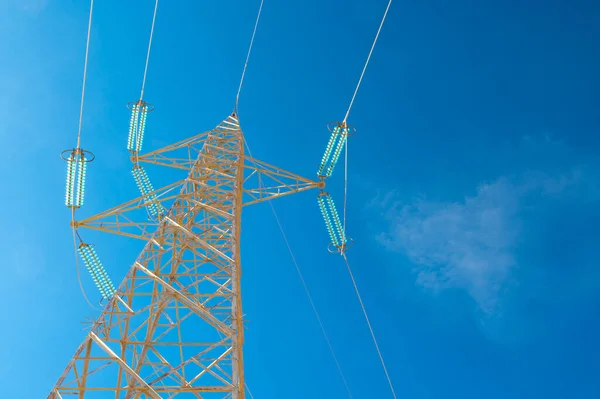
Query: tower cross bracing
{"points": [[174, 328]]}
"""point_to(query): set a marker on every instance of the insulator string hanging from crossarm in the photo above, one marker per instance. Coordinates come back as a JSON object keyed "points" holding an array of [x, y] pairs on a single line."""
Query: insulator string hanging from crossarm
{"points": [[75, 236], [96, 270], [153, 205]]}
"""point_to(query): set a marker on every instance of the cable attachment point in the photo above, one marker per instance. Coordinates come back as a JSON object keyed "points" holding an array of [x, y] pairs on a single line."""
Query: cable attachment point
{"points": [[342, 249], [141, 103], [344, 128], [340, 131], [77, 160]]}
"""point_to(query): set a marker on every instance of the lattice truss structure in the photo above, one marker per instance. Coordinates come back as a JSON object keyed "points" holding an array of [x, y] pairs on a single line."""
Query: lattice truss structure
{"points": [[174, 327]]}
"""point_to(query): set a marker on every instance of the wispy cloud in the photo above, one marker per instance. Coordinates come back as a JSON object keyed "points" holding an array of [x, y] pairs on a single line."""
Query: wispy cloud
{"points": [[472, 244]]}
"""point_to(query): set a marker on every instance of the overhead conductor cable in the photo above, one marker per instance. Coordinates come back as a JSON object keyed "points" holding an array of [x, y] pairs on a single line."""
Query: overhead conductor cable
{"points": [[345, 201], [237, 97]]}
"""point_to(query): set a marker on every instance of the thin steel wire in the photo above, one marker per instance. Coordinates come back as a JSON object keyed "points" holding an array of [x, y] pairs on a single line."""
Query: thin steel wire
{"points": [[342, 251], [362, 305], [249, 392], [367, 63], [312, 304], [237, 97], [148, 54], [87, 51], [135, 154]]}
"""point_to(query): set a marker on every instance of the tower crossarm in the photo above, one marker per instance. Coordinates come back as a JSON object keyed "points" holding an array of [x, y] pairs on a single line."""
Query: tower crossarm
{"points": [[265, 182], [124, 219], [180, 155], [262, 182]]}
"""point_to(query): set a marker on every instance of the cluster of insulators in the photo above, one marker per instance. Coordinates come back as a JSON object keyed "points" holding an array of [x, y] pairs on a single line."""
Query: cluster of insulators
{"points": [[332, 220], [137, 125], [96, 270], [141, 179], [75, 187], [339, 135]]}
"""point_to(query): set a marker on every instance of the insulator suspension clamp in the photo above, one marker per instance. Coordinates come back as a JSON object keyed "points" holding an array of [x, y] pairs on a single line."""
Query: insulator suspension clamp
{"points": [[342, 248], [142, 106], [341, 128], [84, 155]]}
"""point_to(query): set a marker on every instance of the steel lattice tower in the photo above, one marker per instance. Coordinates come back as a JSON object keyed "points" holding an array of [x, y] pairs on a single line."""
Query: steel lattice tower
{"points": [[174, 328]]}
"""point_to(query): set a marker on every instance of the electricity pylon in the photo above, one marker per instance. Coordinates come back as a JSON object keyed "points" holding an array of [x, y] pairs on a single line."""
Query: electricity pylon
{"points": [[174, 328]]}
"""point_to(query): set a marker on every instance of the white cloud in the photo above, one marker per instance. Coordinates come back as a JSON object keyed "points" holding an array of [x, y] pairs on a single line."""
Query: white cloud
{"points": [[469, 244]]}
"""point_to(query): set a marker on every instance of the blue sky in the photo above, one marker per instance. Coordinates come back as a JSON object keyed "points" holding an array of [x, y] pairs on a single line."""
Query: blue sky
{"points": [[474, 179]]}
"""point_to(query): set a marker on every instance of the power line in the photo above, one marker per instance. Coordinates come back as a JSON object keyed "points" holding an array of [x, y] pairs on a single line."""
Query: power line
{"points": [[237, 97], [312, 304], [149, 47], [87, 48], [248, 389], [350, 108], [342, 251], [368, 59], [362, 305]]}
